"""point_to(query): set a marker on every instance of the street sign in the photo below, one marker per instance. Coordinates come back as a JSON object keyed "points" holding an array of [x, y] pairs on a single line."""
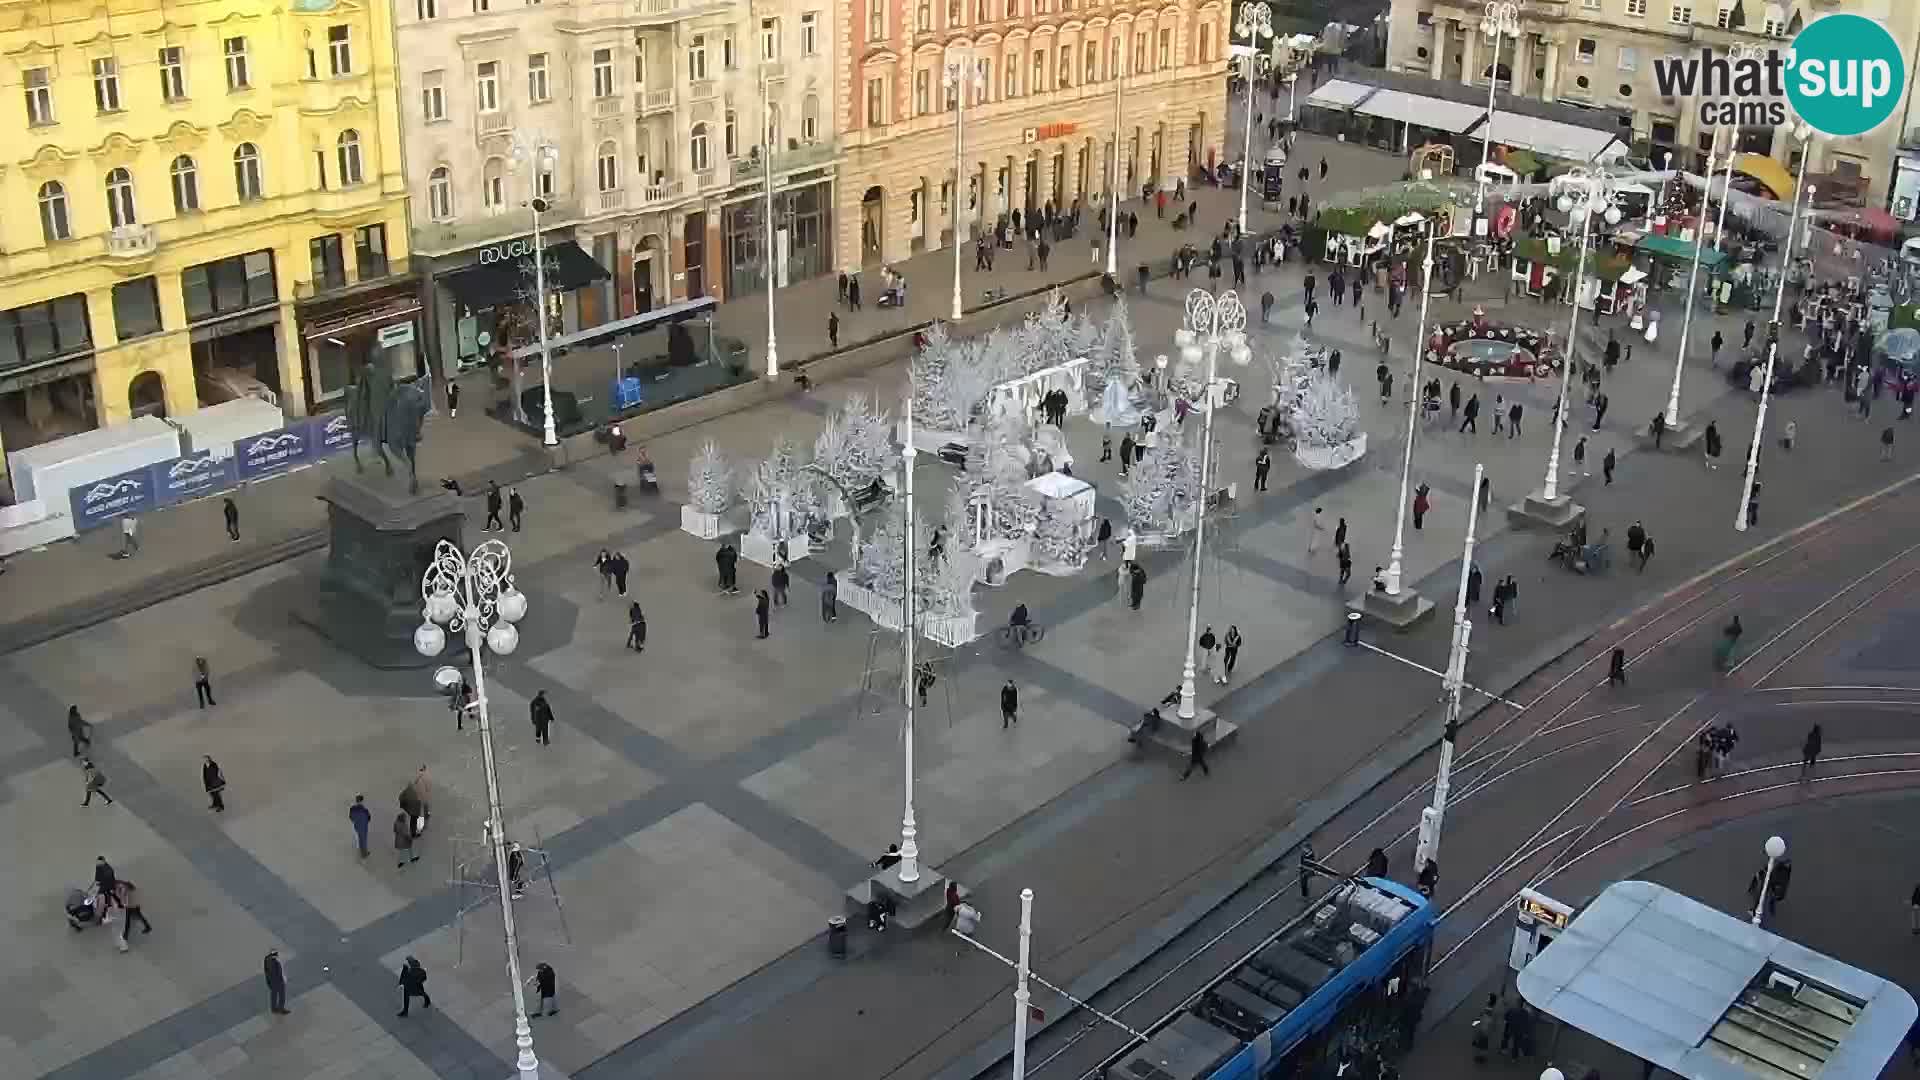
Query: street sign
{"points": [[1037, 1014]]}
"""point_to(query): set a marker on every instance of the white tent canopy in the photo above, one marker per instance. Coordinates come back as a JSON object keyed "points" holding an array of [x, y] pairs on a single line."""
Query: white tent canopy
{"points": [[1555, 139], [1405, 108], [1339, 94]]}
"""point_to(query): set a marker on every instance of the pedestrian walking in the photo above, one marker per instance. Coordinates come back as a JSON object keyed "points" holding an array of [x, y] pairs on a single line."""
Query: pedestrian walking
{"points": [[1136, 584], [544, 984], [79, 732], [779, 581], [202, 682], [215, 782], [1103, 537], [1580, 456], [1513, 420], [833, 329], [1307, 861], [1316, 528], [231, 513], [1913, 913], [1600, 410], [1346, 563], [1810, 752], [1262, 463], [1422, 502], [413, 984], [1453, 403], [1747, 342], [453, 400], [853, 292], [1499, 414], [1788, 435], [830, 599], [1126, 452], [96, 781], [276, 983], [516, 507], [495, 501], [636, 628], [762, 605], [727, 561], [415, 799], [129, 537], [459, 700], [1207, 643], [362, 819], [130, 909], [1197, 756], [1232, 654], [1646, 553], [1713, 357], [541, 713], [1386, 388], [1009, 705], [1658, 428], [1474, 581], [1710, 443], [1606, 465], [403, 840], [1617, 667], [603, 568], [1886, 445], [620, 568], [105, 883]]}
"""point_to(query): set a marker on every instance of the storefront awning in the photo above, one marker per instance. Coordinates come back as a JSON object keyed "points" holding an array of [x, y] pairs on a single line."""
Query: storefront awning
{"points": [[494, 283], [1421, 111], [1675, 248], [1339, 94], [1555, 139]]}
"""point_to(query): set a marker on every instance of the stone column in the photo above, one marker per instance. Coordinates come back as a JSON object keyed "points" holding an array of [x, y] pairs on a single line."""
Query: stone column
{"points": [[1550, 83], [1521, 64], [1438, 59], [1469, 70]]}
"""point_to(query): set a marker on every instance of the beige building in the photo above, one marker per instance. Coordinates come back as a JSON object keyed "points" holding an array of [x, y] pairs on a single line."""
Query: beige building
{"points": [[1040, 119], [654, 111], [1601, 53]]}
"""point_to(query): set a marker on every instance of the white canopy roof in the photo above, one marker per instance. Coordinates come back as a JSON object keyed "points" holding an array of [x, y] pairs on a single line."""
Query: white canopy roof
{"points": [[1405, 108], [1633, 276], [1411, 218], [1555, 139], [1380, 231], [1340, 94]]}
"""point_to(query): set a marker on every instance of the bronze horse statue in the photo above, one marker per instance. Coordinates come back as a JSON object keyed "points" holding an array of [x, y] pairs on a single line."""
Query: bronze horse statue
{"points": [[390, 418]]}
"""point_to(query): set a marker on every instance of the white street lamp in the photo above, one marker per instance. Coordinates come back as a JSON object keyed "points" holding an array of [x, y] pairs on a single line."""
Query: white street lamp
{"points": [[1693, 288], [1455, 683], [1394, 560], [1502, 20], [1551, 1073], [539, 156], [1021, 996], [1736, 54], [473, 595], [1293, 93], [1113, 181], [1583, 195], [768, 133], [1254, 23], [1776, 850], [1805, 134], [909, 833], [960, 77], [1211, 322]]}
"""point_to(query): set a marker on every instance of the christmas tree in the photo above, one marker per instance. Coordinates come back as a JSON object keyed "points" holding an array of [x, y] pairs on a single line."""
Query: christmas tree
{"points": [[780, 495], [854, 447], [1060, 539], [710, 481], [1159, 494], [1326, 425], [997, 474], [881, 563]]}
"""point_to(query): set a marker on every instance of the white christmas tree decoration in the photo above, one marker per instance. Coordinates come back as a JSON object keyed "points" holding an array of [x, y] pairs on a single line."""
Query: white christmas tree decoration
{"points": [[997, 472], [710, 481], [780, 496], [1060, 539], [1326, 425], [881, 563], [1159, 494]]}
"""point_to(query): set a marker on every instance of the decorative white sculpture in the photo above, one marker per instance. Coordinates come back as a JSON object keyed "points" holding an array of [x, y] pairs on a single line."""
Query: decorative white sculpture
{"points": [[710, 493]]}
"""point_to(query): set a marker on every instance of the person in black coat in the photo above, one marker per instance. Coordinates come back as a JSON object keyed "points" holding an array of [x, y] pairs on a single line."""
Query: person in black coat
{"points": [[542, 715], [1197, 756], [276, 983], [544, 980], [1136, 586], [413, 984], [516, 507], [780, 580], [636, 628], [494, 500], [619, 567], [106, 882], [215, 782], [1009, 705], [762, 605]]}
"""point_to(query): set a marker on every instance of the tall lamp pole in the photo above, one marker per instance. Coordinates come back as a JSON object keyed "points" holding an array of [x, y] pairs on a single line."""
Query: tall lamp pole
{"points": [[1583, 195], [1021, 996], [909, 833], [1113, 182], [1776, 849], [1211, 322], [1394, 560], [1433, 816], [1293, 93], [1805, 134], [960, 76], [539, 156], [473, 595], [1254, 23], [1736, 54], [1693, 288], [767, 130], [1502, 20]]}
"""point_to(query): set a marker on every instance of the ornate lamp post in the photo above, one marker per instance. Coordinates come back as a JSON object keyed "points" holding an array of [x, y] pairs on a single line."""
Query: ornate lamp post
{"points": [[1212, 322], [1413, 420], [473, 595], [909, 833], [1805, 135], [1455, 682], [1255, 22], [1693, 289], [1776, 849], [767, 130], [1582, 196], [960, 77], [1113, 183], [1502, 20], [539, 156]]}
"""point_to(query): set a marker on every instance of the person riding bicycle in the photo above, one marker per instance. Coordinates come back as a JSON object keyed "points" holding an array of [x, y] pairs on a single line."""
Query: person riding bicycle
{"points": [[1020, 619]]}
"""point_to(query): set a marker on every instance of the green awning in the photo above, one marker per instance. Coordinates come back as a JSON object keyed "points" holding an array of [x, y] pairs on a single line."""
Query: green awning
{"points": [[1674, 248]]}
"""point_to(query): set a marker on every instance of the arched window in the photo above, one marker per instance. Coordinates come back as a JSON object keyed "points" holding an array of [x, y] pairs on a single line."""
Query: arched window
{"points": [[697, 145], [493, 184], [120, 198], [810, 118], [53, 212], [606, 170], [440, 194], [246, 172], [349, 150], [730, 138], [186, 185]]}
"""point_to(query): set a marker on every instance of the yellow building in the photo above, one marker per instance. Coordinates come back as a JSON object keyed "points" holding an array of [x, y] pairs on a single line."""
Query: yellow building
{"points": [[206, 199]]}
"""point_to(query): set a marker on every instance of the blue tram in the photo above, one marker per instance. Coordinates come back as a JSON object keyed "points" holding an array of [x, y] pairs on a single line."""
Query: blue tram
{"points": [[1315, 977]]}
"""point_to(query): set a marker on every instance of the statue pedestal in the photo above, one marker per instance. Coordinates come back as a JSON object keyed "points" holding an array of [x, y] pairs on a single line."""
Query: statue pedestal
{"points": [[381, 540]]}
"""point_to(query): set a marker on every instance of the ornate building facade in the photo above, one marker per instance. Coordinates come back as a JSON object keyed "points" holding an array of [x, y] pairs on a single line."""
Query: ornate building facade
{"points": [[1041, 117], [198, 187]]}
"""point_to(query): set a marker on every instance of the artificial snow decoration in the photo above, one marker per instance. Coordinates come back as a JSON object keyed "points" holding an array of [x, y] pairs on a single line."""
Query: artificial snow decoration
{"points": [[1159, 495], [782, 500], [1326, 425], [1115, 373], [1062, 533], [953, 379], [851, 452], [877, 584], [710, 492], [997, 470]]}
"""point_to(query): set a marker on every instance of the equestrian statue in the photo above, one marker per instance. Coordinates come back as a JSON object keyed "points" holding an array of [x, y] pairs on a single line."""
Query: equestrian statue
{"points": [[389, 417]]}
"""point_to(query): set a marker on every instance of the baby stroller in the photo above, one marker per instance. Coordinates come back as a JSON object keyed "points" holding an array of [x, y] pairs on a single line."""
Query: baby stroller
{"points": [[83, 909]]}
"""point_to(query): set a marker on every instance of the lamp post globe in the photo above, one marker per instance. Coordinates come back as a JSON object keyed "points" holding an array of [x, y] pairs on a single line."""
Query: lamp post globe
{"points": [[1775, 847], [429, 639], [1552, 1073]]}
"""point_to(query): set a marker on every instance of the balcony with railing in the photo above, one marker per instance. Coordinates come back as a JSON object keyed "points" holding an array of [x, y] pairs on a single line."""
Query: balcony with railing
{"points": [[792, 159], [493, 123], [611, 105], [649, 102], [612, 200], [659, 193], [702, 90], [130, 241]]}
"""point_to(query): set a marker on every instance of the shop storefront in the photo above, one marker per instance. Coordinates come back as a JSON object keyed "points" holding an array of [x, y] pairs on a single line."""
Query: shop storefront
{"points": [[802, 223], [486, 297], [339, 334]]}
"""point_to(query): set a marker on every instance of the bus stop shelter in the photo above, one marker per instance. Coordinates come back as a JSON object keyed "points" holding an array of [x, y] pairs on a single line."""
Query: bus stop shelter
{"points": [[1707, 996]]}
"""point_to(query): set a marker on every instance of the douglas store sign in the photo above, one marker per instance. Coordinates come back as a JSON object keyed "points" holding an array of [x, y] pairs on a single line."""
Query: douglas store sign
{"points": [[506, 251]]}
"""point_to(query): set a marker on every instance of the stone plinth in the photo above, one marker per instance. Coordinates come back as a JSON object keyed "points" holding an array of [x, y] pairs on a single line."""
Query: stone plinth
{"points": [[381, 540], [1680, 438], [1174, 735], [916, 904], [1557, 514], [1402, 610]]}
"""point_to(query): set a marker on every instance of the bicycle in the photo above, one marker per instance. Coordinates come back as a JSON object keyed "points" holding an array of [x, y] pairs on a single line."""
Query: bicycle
{"points": [[1021, 635]]}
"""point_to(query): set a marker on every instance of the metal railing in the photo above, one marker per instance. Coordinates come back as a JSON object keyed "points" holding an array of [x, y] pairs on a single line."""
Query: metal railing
{"points": [[653, 101], [130, 241], [491, 123], [609, 106]]}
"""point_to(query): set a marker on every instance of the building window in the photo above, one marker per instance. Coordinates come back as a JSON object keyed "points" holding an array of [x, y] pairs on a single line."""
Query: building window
{"points": [[329, 261], [1013, 80], [487, 86], [440, 194], [729, 56], [953, 14], [1140, 52], [136, 308], [229, 285], [238, 77], [173, 74], [810, 118], [1206, 42], [1038, 83], [639, 62], [120, 198], [1063, 67], [607, 167], [39, 88], [1166, 49], [53, 212], [642, 143], [493, 185], [1681, 15], [106, 85], [348, 147], [426, 9], [340, 50], [370, 251], [1113, 58], [697, 148], [730, 135], [44, 331], [1629, 58], [320, 167], [876, 102], [1590, 5], [186, 185], [603, 73], [246, 172], [922, 81], [769, 39], [697, 59], [481, 7], [433, 97], [810, 33], [1638, 9], [983, 90], [923, 17], [538, 92], [876, 21], [1586, 49]]}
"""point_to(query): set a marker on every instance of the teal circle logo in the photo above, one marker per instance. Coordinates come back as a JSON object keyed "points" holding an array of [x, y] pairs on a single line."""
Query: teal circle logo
{"points": [[1845, 75]]}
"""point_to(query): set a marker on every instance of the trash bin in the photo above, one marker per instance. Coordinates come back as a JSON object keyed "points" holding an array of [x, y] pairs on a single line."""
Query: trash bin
{"points": [[837, 936], [619, 493], [1353, 628]]}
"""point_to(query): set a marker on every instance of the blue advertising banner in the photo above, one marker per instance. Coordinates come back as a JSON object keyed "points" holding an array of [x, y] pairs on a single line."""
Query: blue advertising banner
{"points": [[103, 501], [329, 434], [273, 452], [193, 477]]}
